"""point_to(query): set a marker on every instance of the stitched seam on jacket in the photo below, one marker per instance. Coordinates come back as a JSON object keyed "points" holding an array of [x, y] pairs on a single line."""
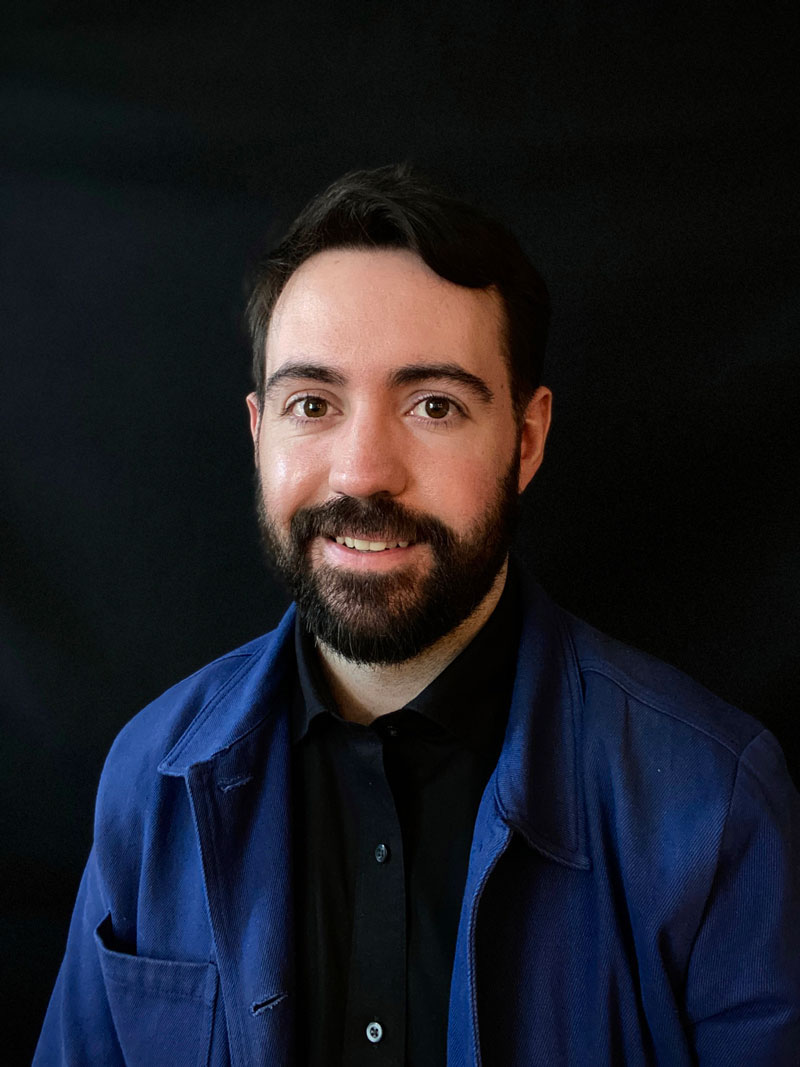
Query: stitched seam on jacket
{"points": [[235, 654], [725, 742]]}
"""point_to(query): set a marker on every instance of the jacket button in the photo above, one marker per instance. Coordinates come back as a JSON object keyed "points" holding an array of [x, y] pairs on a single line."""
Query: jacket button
{"points": [[381, 853], [374, 1032]]}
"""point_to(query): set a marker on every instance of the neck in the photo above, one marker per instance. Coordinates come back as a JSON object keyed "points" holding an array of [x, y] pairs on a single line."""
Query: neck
{"points": [[365, 692]]}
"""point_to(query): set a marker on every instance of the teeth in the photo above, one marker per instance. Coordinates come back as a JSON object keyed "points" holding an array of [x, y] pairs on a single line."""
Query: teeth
{"points": [[370, 546]]}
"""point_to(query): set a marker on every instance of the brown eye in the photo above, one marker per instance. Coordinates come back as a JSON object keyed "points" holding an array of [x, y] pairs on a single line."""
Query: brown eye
{"points": [[436, 407], [314, 407]]}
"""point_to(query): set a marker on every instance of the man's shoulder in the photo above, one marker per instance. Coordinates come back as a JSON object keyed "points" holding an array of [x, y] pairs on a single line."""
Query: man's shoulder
{"points": [[620, 682]]}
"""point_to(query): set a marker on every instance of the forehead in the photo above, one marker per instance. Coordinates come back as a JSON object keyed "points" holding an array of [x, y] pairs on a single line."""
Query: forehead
{"points": [[372, 307]]}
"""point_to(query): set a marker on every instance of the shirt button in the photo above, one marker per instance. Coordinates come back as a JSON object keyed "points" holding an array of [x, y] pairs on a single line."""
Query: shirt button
{"points": [[381, 853], [374, 1032], [392, 730]]}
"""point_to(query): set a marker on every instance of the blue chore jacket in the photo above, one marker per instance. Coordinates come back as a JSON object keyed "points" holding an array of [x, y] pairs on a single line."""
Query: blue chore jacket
{"points": [[633, 894]]}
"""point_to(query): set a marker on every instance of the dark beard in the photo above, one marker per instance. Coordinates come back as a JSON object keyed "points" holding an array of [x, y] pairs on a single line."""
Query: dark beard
{"points": [[390, 618]]}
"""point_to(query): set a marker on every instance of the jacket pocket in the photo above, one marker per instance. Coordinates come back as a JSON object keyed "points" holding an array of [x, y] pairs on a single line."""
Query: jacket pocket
{"points": [[162, 1009]]}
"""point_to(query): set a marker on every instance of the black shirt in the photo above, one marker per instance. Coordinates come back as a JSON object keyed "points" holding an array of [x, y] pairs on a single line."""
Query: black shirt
{"points": [[382, 828]]}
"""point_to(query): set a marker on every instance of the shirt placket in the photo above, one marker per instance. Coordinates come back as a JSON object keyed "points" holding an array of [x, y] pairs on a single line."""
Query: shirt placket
{"points": [[375, 1021]]}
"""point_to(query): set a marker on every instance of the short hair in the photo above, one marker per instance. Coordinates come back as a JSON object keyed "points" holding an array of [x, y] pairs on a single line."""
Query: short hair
{"points": [[395, 207]]}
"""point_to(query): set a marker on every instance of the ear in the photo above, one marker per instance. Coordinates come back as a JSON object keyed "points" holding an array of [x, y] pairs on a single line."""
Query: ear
{"points": [[533, 434], [255, 417]]}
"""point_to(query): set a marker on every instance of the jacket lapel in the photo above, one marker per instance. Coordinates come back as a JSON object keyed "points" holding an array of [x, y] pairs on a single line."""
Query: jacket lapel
{"points": [[538, 781], [239, 787], [535, 791]]}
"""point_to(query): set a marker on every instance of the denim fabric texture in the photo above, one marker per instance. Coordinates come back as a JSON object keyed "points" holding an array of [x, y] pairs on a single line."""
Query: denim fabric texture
{"points": [[633, 892]]}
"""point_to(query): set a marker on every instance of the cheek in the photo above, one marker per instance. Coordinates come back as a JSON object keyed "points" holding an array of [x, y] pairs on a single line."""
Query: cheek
{"points": [[290, 478], [463, 492]]}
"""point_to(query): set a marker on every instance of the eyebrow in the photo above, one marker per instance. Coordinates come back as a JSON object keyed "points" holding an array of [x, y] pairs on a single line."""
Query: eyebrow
{"points": [[317, 372], [422, 372], [407, 375]]}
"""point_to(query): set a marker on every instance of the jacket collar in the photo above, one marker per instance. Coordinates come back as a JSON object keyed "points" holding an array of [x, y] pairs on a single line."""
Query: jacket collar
{"points": [[241, 704], [537, 782]]}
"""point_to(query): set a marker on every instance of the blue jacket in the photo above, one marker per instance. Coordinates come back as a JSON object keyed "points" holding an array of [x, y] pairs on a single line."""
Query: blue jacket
{"points": [[633, 894]]}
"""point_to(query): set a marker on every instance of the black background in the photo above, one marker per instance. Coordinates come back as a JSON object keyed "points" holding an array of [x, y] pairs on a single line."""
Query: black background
{"points": [[642, 152]]}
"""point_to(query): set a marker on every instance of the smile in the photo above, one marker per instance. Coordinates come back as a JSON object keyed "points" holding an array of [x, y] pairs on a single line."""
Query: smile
{"points": [[369, 546]]}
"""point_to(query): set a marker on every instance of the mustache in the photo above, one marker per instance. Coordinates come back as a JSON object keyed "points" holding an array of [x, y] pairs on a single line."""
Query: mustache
{"points": [[381, 517]]}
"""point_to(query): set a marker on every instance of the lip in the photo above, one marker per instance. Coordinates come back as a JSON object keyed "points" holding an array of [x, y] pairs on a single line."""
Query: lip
{"points": [[388, 559]]}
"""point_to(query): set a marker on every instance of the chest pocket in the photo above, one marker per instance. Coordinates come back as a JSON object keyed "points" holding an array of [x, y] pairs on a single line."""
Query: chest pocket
{"points": [[163, 1010]]}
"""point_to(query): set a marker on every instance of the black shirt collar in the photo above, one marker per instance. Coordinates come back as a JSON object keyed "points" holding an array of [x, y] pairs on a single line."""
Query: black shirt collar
{"points": [[464, 700]]}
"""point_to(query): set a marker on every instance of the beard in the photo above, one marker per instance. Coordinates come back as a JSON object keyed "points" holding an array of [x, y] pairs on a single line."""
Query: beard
{"points": [[382, 619]]}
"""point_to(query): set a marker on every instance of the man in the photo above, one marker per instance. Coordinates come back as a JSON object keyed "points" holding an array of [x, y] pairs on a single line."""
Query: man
{"points": [[431, 817]]}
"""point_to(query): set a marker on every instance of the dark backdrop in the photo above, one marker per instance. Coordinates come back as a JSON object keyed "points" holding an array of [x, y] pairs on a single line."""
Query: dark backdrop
{"points": [[642, 152]]}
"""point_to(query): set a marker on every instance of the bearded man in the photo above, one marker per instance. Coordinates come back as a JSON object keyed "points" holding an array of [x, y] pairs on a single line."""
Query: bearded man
{"points": [[431, 818]]}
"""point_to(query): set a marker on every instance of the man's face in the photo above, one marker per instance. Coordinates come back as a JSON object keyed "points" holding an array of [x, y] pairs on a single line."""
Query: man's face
{"points": [[388, 457]]}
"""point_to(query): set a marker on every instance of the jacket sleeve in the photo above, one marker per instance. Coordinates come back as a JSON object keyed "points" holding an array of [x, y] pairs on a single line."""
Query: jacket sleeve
{"points": [[78, 1028], [743, 991]]}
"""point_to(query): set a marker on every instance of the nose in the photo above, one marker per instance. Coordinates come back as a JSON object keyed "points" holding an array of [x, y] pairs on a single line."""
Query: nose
{"points": [[367, 456]]}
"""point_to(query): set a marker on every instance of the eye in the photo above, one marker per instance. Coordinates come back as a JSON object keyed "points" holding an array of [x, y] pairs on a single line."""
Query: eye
{"points": [[438, 408], [309, 407]]}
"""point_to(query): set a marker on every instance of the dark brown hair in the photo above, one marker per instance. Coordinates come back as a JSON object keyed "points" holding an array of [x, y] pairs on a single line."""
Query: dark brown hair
{"points": [[395, 207]]}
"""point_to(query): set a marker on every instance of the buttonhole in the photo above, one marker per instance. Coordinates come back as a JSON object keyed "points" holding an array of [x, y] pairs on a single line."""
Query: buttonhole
{"points": [[233, 783], [268, 1004]]}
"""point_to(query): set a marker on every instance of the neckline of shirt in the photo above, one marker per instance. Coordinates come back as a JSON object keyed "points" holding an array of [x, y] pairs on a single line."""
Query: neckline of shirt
{"points": [[463, 701]]}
